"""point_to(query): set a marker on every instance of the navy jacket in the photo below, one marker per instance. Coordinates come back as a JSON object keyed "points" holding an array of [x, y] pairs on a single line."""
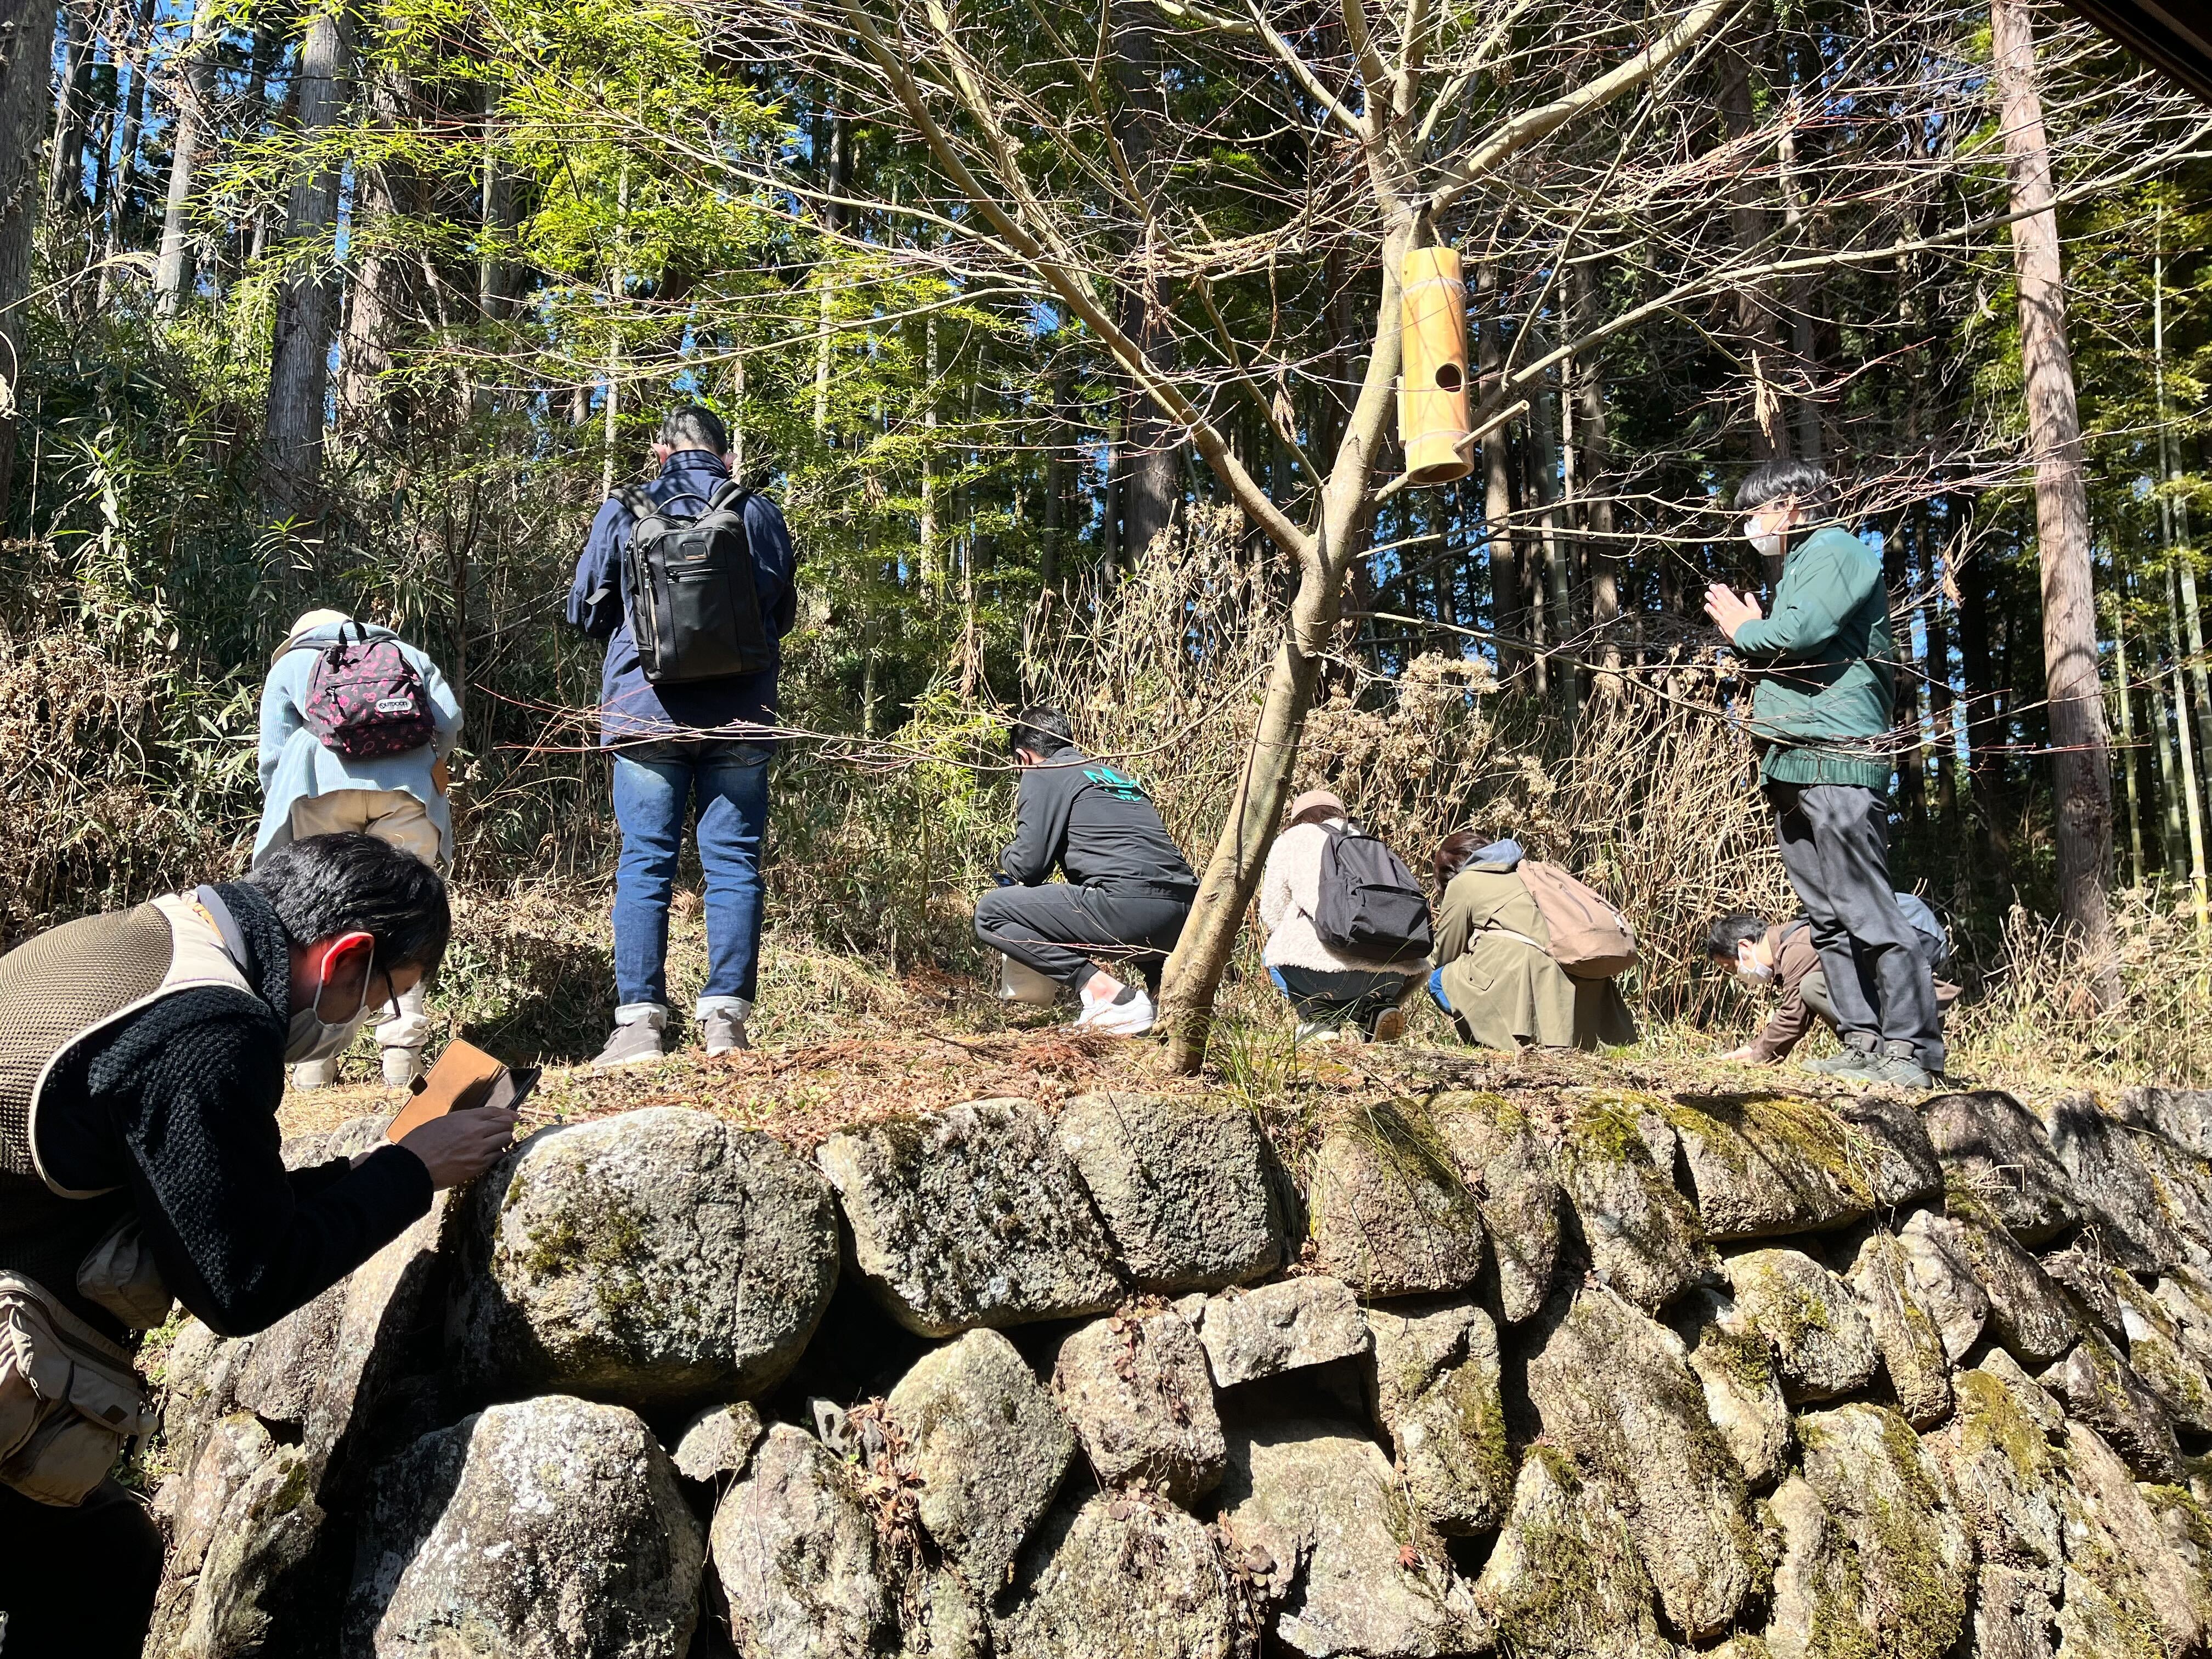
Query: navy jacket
{"points": [[1097, 824], [631, 706]]}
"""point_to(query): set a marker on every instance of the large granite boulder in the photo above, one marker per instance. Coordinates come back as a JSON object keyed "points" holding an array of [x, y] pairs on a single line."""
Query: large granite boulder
{"points": [[1888, 1145], [1644, 1238], [2183, 1116], [1124, 1577], [197, 1379], [1136, 1390], [193, 1504], [973, 1215], [278, 1377], [1504, 1162], [2001, 1453], [2116, 1548], [553, 1527], [259, 1587], [2101, 1389], [1389, 1209], [1434, 1390], [385, 1304], [989, 1445], [1185, 1186], [1250, 1335], [2164, 1354], [1823, 1345], [1943, 1282], [1613, 1389], [1564, 1581], [796, 1551], [1880, 1277], [659, 1258], [2126, 1214], [1318, 1503], [1908, 1561], [2027, 1312], [2014, 1615], [1734, 1362], [1993, 1149], [1764, 1165]]}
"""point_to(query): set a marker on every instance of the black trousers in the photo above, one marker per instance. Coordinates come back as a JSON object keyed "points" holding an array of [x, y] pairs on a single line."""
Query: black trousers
{"points": [[1062, 930], [1835, 845], [77, 1583]]}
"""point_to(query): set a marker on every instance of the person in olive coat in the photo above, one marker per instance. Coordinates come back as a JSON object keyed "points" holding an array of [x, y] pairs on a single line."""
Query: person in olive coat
{"points": [[1494, 971]]}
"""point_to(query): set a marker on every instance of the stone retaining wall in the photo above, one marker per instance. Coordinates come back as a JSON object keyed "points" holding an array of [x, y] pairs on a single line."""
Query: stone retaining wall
{"points": [[1552, 1371]]}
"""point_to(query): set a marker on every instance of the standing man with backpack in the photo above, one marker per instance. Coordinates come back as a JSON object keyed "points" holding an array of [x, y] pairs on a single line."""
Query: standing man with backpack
{"points": [[1348, 934], [1820, 712], [1128, 888], [356, 726], [688, 580]]}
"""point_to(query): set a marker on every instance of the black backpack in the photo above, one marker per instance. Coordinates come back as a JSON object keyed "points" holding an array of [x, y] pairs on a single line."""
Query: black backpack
{"points": [[1371, 906], [694, 610]]}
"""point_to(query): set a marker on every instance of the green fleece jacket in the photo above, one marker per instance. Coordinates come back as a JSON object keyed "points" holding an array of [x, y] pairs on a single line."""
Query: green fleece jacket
{"points": [[1825, 666]]}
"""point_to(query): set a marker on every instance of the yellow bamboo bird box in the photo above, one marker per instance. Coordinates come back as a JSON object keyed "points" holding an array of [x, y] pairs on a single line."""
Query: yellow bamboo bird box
{"points": [[1433, 423]]}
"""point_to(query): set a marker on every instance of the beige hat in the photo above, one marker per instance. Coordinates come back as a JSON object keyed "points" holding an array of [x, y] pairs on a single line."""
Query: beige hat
{"points": [[1317, 804], [308, 625]]}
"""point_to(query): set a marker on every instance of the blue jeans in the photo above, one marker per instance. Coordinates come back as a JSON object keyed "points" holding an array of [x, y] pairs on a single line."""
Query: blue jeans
{"points": [[655, 787]]}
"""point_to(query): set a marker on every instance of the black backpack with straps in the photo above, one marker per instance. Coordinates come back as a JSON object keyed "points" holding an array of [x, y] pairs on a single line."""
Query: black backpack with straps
{"points": [[1369, 906], [694, 609]]}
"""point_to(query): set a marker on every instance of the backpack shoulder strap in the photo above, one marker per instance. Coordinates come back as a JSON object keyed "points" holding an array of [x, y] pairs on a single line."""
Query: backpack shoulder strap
{"points": [[730, 492]]}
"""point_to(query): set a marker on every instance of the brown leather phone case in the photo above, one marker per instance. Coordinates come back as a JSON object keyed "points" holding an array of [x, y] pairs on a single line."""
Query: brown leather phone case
{"points": [[465, 1077]]}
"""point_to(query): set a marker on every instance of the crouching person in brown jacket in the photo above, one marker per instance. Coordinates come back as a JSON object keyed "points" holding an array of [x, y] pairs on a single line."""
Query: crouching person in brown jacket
{"points": [[1783, 959], [1496, 974], [141, 1061]]}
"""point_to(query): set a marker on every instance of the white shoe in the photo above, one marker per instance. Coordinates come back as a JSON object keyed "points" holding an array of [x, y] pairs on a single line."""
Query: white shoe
{"points": [[402, 1066], [314, 1073], [1130, 1014], [1321, 1031]]}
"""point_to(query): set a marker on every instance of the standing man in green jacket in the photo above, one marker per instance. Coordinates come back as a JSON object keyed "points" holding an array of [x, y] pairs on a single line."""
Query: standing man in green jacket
{"points": [[1820, 713]]}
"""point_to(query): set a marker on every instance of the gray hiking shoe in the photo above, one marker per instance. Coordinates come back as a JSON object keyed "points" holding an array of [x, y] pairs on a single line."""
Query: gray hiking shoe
{"points": [[1859, 1051], [723, 1032], [1897, 1066], [637, 1044]]}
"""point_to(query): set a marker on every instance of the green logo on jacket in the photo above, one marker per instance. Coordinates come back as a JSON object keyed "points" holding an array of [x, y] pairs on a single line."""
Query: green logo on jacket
{"points": [[1120, 785]]}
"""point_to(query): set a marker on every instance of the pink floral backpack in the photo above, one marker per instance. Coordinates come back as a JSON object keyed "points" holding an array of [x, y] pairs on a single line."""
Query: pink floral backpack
{"points": [[364, 698]]}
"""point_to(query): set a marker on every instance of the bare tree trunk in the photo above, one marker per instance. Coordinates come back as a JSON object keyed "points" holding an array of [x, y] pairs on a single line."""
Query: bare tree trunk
{"points": [[1758, 325], [65, 160], [2082, 764], [1507, 615], [1597, 501], [26, 48], [1804, 297], [2171, 834], [383, 280], [2124, 693], [299, 369], [1151, 457], [495, 216], [1543, 471], [1248, 828]]}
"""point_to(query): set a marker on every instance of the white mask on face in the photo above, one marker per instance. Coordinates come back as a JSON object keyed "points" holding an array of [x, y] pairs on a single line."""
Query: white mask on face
{"points": [[1769, 545], [310, 1037], [1750, 970]]}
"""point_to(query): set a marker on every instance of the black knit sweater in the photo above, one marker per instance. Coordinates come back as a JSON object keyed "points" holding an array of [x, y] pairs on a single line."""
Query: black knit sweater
{"points": [[177, 1106]]}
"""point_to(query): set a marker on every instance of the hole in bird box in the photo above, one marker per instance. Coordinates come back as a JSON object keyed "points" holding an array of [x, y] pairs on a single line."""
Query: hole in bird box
{"points": [[1448, 377]]}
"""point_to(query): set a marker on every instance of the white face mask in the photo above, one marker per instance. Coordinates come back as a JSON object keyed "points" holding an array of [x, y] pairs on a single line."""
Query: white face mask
{"points": [[1750, 970], [310, 1037], [1769, 545]]}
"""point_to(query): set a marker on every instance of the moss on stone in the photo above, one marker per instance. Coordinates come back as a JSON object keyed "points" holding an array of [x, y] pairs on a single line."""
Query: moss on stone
{"points": [[1989, 1417]]}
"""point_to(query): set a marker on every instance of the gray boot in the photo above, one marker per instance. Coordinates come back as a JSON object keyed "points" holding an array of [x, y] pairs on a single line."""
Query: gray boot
{"points": [[637, 1044], [1897, 1066], [1859, 1051]]}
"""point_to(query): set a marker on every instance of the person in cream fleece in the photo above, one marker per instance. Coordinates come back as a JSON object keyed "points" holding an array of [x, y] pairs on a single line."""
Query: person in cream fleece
{"points": [[1334, 993]]}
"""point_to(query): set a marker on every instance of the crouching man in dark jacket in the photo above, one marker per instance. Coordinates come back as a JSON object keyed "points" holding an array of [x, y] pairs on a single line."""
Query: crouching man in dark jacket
{"points": [[1128, 889], [141, 1062]]}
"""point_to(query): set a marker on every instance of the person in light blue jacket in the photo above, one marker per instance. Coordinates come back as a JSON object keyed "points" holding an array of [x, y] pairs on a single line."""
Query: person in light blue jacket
{"points": [[308, 789]]}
